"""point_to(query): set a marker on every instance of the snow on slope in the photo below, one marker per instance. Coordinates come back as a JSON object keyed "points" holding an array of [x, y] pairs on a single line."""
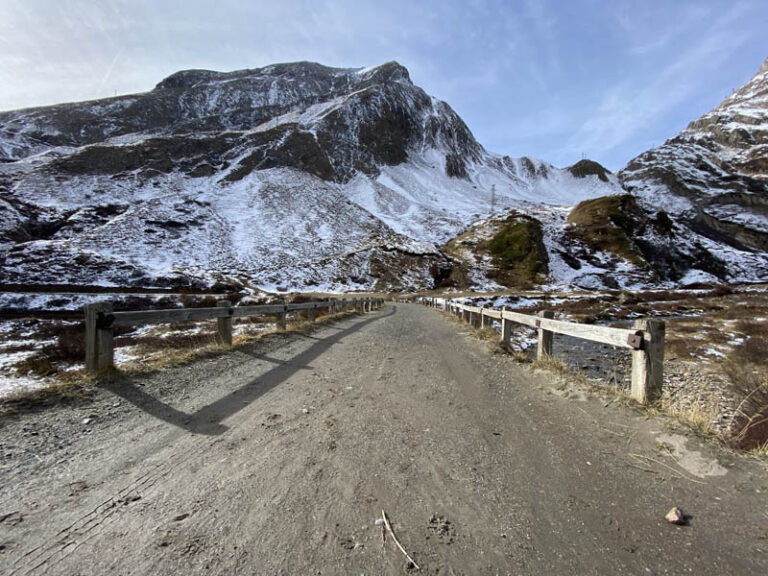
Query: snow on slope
{"points": [[277, 228], [295, 176], [419, 200], [300, 176], [712, 179]]}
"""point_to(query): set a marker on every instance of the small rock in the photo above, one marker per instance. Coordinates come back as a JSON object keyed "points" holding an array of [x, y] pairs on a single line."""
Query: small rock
{"points": [[87, 421], [379, 522], [675, 516], [180, 517], [305, 411]]}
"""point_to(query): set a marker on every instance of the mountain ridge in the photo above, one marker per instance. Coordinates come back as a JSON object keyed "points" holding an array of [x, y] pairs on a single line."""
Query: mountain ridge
{"points": [[297, 176]]}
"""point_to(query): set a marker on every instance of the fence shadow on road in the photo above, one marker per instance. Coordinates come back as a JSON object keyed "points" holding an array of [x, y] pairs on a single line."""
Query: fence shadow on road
{"points": [[208, 419]]}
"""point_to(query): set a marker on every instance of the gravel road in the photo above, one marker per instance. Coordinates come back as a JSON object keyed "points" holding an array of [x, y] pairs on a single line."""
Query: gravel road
{"points": [[279, 458]]}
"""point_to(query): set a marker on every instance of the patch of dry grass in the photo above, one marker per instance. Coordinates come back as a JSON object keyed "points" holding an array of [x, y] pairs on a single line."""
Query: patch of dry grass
{"points": [[698, 417], [167, 345], [551, 364], [486, 334], [73, 386], [747, 370], [760, 451]]}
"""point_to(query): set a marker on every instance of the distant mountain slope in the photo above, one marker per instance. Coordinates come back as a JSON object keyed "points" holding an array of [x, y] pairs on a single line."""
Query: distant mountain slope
{"points": [[712, 181], [291, 176]]}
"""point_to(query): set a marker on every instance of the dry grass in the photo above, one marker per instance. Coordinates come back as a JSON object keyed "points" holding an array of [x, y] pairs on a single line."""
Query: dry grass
{"points": [[698, 417], [165, 346], [73, 386], [486, 334], [760, 451], [163, 352], [747, 370], [552, 364]]}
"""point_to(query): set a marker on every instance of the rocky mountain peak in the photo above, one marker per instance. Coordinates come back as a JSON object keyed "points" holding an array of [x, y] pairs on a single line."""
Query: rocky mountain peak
{"points": [[187, 79], [713, 179]]}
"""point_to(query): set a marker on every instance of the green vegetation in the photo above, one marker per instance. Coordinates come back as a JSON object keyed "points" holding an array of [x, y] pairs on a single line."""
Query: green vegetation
{"points": [[608, 223], [518, 252]]}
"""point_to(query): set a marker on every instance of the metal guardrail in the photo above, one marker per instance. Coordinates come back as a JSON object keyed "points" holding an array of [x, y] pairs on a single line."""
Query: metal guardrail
{"points": [[645, 339], [101, 320]]}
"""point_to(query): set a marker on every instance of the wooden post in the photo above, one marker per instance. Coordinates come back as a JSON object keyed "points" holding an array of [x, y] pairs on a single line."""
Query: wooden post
{"points": [[106, 340], [224, 325], [99, 342], [506, 328], [485, 321], [648, 362], [544, 348], [312, 313], [282, 318]]}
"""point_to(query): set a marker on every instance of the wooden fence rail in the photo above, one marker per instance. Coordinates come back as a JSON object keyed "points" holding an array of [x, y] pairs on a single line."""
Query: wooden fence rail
{"points": [[101, 320], [645, 339]]}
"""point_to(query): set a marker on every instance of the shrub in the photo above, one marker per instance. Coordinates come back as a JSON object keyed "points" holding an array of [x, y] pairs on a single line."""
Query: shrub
{"points": [[747, 370]]}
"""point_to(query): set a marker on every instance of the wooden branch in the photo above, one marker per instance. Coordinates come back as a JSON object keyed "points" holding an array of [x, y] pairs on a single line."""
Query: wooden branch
{"points": [[394, 538]]}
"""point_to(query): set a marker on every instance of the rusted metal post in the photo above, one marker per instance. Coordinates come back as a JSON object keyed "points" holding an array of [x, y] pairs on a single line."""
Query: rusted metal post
{"points": [[224, 325], [544, 348], [648, 362]]}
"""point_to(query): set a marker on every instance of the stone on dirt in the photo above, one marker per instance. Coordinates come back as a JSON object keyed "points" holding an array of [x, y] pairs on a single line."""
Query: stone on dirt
{"points": [[675, 516]]}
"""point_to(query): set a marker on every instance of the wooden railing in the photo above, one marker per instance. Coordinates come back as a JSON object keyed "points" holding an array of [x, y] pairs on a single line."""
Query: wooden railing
{"points": [[645, 339], [101, 320]]}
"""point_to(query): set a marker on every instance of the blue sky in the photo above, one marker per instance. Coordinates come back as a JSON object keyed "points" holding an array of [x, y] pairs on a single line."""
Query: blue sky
{"points": [[550, 79]]}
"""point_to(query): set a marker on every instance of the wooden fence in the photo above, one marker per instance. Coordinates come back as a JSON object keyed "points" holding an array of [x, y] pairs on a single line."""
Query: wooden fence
{"points": [[645, 339], [101, 320]]}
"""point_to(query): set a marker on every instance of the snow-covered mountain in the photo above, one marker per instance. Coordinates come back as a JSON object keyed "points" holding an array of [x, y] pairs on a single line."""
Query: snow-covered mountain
{"points": [[292, 176], [712, 182]]}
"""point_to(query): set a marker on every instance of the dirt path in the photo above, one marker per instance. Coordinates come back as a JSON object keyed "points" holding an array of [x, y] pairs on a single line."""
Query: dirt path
{"points": [[279, 459]]}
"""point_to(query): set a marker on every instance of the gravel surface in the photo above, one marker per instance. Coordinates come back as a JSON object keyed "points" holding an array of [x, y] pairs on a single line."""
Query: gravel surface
{"points": [[279, 459]]}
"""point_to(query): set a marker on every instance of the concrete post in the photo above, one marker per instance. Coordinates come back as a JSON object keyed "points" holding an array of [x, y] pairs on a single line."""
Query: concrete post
{"points": [[224, 325], [544, 347], [648, 362]]}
